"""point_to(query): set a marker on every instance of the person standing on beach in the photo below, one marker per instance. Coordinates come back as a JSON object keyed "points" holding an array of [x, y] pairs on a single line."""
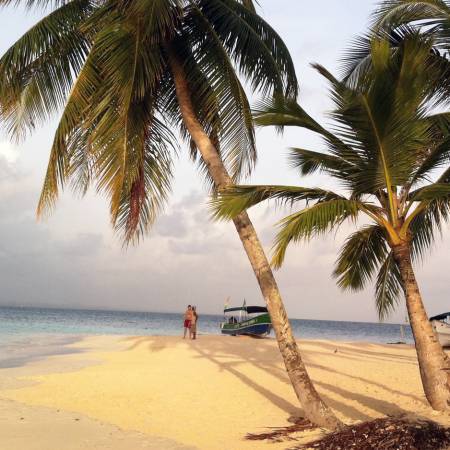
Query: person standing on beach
{"points": [[193, 329], [187, 320]]}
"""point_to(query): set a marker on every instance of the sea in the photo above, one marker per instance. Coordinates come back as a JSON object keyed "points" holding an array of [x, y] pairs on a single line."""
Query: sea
{"points": [[32, 333]]}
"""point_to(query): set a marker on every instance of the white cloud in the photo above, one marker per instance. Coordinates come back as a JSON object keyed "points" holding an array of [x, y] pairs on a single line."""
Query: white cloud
{"points": [[9, 151]]}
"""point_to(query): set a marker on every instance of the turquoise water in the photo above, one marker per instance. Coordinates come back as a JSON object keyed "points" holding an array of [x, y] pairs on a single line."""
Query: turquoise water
{"points": [[30, 333]]}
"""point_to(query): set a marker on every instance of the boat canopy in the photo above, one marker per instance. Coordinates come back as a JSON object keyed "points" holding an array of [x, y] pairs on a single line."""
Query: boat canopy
{"points": [[249, 309], [440, 316]]}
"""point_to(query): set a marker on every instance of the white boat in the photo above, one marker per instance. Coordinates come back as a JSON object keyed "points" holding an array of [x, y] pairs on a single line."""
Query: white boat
{"points": [[441, 326]]}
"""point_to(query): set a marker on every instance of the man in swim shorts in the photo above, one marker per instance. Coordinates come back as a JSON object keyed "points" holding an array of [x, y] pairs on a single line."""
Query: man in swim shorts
{"points": [[187, 320]]}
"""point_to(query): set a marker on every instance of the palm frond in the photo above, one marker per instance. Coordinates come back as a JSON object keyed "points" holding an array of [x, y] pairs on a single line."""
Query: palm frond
{"points": [[382, 118], [158, 18], [308, 162], [70, 155], [360, 257], [438, 155], [431, 44], [144, 195], [37, 4], [388, 287], [36, 73], [230, 202], [432, 192], [281, 112], [312, 221], [236, 132], [392, 13], [257, 50]]}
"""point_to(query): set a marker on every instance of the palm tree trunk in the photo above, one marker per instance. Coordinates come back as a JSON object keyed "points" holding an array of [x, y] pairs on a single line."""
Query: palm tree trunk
{"points": [[433, 362], [315, 409]]}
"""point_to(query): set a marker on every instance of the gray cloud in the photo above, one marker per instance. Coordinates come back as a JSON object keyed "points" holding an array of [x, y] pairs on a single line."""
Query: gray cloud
{"points": [[83, 245]]}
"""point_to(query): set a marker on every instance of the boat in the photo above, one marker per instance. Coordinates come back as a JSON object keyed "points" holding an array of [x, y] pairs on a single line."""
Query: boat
{"points": [[248, 320], [441, 326]]}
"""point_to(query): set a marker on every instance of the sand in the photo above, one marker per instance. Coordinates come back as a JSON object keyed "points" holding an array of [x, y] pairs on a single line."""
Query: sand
{"points": [[170, 393]]}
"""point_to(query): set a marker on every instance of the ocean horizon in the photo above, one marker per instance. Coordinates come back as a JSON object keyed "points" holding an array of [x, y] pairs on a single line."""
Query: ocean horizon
{"points": [[24, 320], [29, 333]]}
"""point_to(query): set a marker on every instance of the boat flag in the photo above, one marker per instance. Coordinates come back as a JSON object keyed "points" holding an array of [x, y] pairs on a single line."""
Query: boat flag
{"points": [[227, 303], [244, 304]]}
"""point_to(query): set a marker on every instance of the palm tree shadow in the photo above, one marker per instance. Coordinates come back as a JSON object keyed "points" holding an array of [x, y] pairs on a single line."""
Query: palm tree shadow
{"points": [[256, 358], [154, 345], [225, 352], [230, 367], [229, 353], [355, 350]]}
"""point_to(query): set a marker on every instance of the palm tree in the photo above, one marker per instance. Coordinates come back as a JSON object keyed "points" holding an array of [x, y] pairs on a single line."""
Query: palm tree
{"points": [[126, 74], [387, 152]]}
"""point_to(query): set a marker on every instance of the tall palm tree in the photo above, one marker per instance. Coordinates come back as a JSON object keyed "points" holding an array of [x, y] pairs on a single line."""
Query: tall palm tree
{"points": [[126, 74], [390, 155]]}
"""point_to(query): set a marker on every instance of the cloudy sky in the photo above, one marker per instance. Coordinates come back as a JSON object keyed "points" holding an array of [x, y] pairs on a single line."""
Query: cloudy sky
{"points": [[74, 260]]}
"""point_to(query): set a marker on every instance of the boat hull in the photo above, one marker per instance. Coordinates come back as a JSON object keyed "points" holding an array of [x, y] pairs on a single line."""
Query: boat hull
{"points": [[257, 326], [442, 330]]}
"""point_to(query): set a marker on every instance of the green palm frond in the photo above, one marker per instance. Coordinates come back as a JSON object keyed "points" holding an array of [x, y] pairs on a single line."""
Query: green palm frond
{"points": [[144, 194], [438, 155], [71, 156], [38, 70], [232, 201], [392, 13], [38, 4], [432, 192], [388, 287], [308, 162], [281, 112], [425, 224], [432, 46], [157, 18], [311, 222], [360, 257], [236, 132], [257, 50], [390, 119], [250, 4]]}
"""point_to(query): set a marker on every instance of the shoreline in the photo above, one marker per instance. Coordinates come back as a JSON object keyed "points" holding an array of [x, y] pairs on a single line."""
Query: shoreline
{"points": [[39, 346], [35, 347], [93, 322]]}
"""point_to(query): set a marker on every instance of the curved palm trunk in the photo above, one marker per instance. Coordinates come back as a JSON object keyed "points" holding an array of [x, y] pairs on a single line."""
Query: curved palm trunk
{"points": [[315, 409], [433, 362]]}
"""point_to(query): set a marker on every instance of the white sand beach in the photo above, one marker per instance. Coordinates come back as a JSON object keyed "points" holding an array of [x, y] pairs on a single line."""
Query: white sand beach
{"points": [[166, 392]]}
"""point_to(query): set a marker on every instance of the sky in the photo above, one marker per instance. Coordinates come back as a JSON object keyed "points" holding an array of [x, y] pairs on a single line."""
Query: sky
{"points": [[74, 260]]}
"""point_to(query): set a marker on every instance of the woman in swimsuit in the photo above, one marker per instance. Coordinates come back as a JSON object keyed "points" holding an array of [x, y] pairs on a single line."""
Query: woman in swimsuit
{"points": [[193, 329]]}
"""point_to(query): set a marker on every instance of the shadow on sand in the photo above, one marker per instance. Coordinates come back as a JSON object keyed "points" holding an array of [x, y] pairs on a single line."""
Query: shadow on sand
{"points": [[229, 355]]}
